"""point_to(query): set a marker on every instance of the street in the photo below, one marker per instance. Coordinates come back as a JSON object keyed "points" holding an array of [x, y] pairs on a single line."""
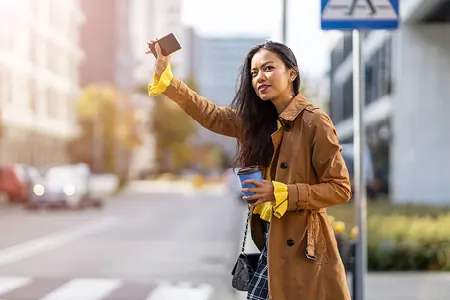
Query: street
{"points": [[139, 246], [177, 244]]}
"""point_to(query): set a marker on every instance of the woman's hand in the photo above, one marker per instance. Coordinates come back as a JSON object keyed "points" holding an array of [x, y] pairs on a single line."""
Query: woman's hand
{"points": [[264, 191], [161, 62]]}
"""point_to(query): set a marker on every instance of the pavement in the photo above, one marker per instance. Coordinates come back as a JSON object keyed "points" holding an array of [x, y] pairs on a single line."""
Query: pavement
{"points": [[171, 243], [180, 187], [141, 245]]}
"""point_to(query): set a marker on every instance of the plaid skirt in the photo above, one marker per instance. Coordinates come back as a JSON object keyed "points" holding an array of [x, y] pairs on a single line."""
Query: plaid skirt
{"points": [[259, 285]]}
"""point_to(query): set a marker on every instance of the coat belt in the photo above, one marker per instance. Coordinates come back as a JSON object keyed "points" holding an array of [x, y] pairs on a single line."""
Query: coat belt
{"points": [[310, 250]]}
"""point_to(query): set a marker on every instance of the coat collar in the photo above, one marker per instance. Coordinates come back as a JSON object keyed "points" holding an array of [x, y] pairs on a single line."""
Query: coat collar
{"points": [[294, 108]]}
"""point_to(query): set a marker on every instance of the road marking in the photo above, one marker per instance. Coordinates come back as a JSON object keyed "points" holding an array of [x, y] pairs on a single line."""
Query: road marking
{"points": [[86, 289], [182, 292], [11, 283], [22, 251], [103, 288]]}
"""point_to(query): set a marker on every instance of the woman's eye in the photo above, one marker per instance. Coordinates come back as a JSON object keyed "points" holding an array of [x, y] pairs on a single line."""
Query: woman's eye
{"points": [[268, 68], [253, 73]]}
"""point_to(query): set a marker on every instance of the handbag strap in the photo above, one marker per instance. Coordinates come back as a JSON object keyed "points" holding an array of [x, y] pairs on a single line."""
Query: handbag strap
{"points": [[245, 231]]}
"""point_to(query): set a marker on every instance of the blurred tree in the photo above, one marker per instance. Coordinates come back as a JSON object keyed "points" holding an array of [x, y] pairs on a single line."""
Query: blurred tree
{"points": [[209, 157], [109, 126], [172, 129]]}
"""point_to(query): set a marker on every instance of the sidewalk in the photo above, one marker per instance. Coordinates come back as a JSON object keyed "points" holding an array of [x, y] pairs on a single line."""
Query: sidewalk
{"points": [[184, 187], [407, 285], [159, 186]]}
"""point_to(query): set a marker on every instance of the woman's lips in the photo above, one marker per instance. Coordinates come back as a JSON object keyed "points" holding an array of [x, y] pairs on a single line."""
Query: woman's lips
{"points": [[263, 88]]}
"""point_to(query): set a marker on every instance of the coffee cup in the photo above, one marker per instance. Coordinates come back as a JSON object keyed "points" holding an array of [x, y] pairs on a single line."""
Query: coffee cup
{"points": [[249, 173]]}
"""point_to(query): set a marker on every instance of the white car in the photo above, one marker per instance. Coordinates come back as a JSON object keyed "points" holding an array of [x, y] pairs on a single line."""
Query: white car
{"points": [[66, 185]]}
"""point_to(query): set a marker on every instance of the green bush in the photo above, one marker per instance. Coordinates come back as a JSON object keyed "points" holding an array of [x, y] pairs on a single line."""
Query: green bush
{"points": [[398, 242], [402, 237]]}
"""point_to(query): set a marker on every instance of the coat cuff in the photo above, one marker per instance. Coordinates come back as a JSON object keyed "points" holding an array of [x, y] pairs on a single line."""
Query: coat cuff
{"points": [[298, 196], [160, 85], [281, 195]]}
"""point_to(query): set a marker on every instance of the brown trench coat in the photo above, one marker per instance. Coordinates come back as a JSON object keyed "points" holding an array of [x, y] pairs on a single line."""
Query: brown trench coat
{"points": [[311, 165]]}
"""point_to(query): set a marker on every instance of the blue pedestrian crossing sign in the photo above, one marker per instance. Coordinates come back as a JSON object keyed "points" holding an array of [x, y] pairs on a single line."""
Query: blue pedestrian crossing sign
{"points": [[359, 14]]}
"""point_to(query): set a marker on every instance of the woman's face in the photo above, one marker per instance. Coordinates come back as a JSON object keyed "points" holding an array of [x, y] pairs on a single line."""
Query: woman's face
{"points": [[270, 77]]}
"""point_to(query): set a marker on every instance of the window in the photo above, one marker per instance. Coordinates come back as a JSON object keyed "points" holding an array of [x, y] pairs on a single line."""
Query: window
{"points": [[73, 71], [52, 58], [348, 44], [5, 33], [348, 98], [32, 93], [52, 109], [337, 56], [387, 79], [32, 51], [21, 33], [42, 101], [336, 102], [5, 85], [41, 53], [52, 13], [34, 6], [378, 73]]}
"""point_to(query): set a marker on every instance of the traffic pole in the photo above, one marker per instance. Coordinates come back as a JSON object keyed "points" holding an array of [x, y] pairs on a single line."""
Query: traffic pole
{"points": [[359, 145]]}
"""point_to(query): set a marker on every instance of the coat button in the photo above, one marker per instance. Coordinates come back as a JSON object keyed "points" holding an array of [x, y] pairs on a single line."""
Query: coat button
{"points": [[284, 165], [287, 127], [290, 243]]}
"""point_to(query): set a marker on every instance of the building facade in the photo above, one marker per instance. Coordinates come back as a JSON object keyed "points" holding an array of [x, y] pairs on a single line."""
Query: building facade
{"points": [[39, 60], [106, 40], [152, 19], [406, 78], [155, 19]]}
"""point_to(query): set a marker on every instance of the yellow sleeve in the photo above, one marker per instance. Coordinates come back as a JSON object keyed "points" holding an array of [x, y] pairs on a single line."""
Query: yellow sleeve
{"points": [[281, 194], [160, 85]]}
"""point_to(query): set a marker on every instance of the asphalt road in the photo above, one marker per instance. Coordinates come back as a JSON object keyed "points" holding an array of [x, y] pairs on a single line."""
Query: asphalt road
{"points": [[178, 244], [147, 246]]}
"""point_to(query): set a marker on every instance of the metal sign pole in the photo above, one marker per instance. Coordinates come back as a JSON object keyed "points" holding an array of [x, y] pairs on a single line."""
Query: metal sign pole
{"points": [[348, 15], [284, 22], [359, 144]]}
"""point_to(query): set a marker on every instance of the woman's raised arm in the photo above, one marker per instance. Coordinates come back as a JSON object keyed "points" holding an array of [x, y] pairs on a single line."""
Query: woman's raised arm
{"points": [[221, 120]]}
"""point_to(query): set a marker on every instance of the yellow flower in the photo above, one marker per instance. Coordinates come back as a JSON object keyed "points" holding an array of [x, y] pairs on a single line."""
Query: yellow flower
{"points": [[331, 219], [354, 232], [339, 227]]}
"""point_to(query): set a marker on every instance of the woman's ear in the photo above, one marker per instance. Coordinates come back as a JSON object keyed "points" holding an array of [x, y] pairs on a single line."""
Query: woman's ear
{"points": [[293, 73]]}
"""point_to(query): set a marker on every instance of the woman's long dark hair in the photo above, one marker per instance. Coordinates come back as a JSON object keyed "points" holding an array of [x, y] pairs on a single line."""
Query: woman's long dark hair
{"points": [[259, 118]]}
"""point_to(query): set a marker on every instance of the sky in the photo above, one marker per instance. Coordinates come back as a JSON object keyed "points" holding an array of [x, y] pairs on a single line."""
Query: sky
{"points": [[264, 18]]}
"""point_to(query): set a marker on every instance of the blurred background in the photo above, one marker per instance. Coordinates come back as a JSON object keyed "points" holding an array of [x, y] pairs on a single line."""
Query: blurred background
{"points": [[107, 193]]}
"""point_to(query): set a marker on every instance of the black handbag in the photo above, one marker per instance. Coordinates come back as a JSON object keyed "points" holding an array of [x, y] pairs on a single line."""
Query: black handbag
{"points": [[245, 266]]}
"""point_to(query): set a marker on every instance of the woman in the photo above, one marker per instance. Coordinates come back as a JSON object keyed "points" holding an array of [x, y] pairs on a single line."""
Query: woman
{"points": [[296, 145]]}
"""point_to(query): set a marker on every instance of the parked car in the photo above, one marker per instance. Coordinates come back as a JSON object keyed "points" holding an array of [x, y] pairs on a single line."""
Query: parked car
{"points": [[17, 180], [64, 186]]}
